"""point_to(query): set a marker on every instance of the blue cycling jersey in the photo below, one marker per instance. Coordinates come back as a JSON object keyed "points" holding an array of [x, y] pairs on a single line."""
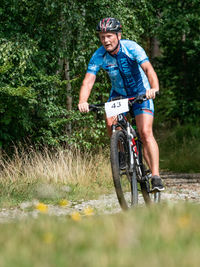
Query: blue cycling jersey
{"points": [[127, 76]]}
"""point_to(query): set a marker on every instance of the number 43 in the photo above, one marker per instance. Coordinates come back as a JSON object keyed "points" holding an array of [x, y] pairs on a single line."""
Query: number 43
{"points": [[116, 105]]}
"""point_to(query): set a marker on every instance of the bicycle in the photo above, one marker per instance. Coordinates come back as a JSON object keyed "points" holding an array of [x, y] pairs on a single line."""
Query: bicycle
{"points": [[128, 168]]}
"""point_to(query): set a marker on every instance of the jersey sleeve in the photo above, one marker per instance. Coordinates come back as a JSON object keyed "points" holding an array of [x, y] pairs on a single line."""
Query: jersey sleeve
{"points": [[95, 63], [140, 55]]}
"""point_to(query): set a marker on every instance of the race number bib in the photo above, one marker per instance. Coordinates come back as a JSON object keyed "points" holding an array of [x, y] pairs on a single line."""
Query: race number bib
{"points": [[116, 107]]}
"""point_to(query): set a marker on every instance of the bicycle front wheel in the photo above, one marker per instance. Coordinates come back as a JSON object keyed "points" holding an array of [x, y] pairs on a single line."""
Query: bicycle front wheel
{"points": [[125, 182]]}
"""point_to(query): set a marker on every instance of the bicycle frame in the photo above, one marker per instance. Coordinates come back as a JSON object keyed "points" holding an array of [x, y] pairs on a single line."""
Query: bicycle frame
{"points": [[134, 145], [123, 123], [134, 149]]}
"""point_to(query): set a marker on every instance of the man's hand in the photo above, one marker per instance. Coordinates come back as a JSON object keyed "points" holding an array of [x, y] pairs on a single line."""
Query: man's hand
{"points": [[86, 88], [153, 79], [83, 107], [151, 93]]}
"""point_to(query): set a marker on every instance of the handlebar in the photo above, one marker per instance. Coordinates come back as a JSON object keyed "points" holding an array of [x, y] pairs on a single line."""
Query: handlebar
{"points": [[138, 99], [96, 107]]}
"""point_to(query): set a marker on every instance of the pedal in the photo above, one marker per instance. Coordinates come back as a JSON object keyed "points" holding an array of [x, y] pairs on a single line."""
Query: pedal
{"points": [[154, 191], [148, 173], [122, 172], [146, 184]]}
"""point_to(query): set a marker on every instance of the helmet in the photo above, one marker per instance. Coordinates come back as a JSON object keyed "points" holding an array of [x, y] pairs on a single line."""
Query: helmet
{"points": [[109, 25]]}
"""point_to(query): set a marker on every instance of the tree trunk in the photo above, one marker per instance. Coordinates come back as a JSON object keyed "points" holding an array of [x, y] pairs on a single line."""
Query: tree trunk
{"points": [[60, 66], [68, 92], [154, 47]]}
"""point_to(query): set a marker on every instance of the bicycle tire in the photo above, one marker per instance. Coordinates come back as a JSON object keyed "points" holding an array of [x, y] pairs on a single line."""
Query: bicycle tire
{"points": [[145, 193], [125, 187], [134, 189]]}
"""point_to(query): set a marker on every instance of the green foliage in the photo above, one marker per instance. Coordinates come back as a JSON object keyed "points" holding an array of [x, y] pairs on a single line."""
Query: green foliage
{"points": [[29, 98], [37, 38], [178, 33], [179, 148]]}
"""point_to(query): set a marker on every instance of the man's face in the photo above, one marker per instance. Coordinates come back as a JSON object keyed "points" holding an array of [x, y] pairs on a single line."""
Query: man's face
{"points": [[109, 40]]}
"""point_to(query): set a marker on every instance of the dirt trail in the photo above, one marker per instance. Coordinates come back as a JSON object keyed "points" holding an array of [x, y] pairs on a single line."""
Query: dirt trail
{"points": [[184, 187]]}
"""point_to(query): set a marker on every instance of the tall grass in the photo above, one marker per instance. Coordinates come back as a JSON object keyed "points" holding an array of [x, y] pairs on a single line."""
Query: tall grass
{"points": [[21, 175]]}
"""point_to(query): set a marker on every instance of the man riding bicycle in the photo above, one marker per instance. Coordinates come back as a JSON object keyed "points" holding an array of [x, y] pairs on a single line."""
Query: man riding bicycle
{"points": [[131, 74]]}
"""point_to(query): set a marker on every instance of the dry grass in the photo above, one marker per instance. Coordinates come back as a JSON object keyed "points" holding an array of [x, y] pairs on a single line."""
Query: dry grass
{"points": [[65, 166], [20, 177]]}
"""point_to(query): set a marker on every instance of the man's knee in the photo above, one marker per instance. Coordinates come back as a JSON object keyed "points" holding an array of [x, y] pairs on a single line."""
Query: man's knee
{"points": [[109, 123], [146, 134]]}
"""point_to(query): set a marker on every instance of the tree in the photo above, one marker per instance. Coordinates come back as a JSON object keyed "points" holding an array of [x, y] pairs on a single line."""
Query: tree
{"points": [[45, 47], [178, 32]]}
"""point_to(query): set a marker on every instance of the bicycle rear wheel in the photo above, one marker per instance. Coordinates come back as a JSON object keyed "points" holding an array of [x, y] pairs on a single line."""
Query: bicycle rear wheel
{"points": [[149, 197], [145, 193], [125, 182]]}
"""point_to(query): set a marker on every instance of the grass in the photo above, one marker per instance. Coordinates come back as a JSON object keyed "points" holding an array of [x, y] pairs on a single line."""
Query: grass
{"points": [[163, 235], [179, 148], [50, 176]]}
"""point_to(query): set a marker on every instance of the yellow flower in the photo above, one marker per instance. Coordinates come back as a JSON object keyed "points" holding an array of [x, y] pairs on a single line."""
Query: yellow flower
{"points": [[184, 221], [42, 207], [88, 211], [64, 202], [48, 238], [76, 216]]}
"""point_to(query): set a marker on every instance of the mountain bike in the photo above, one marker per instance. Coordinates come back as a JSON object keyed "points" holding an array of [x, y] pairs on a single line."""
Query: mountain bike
{"points": [[129, 172]]}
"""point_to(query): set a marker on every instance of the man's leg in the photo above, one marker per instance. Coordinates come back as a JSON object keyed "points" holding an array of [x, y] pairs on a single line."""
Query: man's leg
{"points": [[109, 122], [144, 124], [151, 152]]}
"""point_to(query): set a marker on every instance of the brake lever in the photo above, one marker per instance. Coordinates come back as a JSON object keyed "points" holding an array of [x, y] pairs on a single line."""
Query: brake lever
{"points": [[141, 99]]}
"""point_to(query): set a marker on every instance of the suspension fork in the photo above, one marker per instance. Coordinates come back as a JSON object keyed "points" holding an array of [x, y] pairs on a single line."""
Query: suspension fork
{"points": [[130, 145]]}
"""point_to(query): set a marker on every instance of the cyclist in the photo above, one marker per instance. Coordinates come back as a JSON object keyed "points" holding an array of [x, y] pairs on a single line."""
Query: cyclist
{"points": [[131, 74]]}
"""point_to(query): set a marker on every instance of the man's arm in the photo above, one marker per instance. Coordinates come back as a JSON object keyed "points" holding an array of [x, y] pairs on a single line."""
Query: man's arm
{"points": [[85, 91], [153, 79]]}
